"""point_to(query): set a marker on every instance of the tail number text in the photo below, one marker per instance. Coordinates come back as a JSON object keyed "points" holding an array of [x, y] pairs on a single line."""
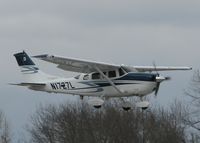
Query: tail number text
{"points": [[62, 85]]}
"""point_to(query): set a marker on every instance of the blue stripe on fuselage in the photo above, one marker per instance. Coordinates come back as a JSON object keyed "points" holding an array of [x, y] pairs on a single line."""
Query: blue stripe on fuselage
{"points": [[130, 76], [138, 77]]}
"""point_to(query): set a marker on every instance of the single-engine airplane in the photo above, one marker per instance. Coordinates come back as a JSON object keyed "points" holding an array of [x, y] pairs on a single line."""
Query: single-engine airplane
{"points": [[99, 81]]}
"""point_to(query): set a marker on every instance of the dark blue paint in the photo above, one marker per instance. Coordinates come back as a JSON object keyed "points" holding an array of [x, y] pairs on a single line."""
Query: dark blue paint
{"points": [[139, 77], [23, 59]]}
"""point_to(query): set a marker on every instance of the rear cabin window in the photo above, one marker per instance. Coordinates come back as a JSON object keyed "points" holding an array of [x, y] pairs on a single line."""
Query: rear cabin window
{"points": [[111, 74], [96, 76]]}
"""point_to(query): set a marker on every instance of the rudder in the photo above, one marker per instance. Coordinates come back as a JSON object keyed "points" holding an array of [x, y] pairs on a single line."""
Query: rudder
{"points": [[30, 71], [23, 59]]}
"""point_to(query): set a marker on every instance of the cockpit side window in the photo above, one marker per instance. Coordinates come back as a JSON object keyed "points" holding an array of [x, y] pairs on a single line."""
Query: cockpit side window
{"points": [[86, 77], [96, 76], [111, 74]]}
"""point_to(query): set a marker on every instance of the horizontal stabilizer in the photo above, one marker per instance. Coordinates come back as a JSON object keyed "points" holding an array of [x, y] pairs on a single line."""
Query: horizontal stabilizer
{"points": [[28, 84]]}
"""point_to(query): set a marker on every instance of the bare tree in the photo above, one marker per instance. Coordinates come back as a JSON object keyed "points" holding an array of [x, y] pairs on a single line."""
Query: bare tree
{"points": [[193, 118], [194, 93], [80, 123], [194, 89], [5, 136]]}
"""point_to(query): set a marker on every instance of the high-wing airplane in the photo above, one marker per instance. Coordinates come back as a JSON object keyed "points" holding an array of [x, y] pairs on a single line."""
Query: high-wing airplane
{"points": [[99, 81]]}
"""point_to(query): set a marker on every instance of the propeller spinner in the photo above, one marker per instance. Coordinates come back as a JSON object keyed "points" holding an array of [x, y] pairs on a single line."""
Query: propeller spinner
{"points": [[160, 79]]}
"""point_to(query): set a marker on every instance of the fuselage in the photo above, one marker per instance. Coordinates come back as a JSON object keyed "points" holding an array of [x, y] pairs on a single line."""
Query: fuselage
{"points": [[131, 84]]}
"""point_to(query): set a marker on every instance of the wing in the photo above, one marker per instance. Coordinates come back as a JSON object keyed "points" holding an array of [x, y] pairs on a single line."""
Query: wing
{"points": [[77, 65], [85, 66]]}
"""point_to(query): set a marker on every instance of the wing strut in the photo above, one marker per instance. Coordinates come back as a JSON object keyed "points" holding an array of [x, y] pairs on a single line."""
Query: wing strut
{"points": [[109, 80]]}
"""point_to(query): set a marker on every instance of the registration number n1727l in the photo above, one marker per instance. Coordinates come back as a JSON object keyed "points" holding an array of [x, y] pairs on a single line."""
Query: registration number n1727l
{"points": [[62, 85]]}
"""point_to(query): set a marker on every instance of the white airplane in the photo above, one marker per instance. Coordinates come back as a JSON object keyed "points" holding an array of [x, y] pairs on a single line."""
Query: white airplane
{"points": [[99, 81]]}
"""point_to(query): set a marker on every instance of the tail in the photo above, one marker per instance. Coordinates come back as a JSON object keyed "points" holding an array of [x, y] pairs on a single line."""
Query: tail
{"points": [[30, 71]]}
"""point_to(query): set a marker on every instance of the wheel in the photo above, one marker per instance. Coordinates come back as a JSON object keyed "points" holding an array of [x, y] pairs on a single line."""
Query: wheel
{"points": [[97, 106], [144, 108], [96, 102], [126, 108]]}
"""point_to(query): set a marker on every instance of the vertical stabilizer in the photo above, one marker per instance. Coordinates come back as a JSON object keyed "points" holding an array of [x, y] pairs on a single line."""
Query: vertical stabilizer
{"points": [[30, 71], [23, 59]]}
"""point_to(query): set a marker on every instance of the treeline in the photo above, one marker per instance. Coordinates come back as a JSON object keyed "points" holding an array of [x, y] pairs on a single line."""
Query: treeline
{"points": [[81, 123], [5, 133]]}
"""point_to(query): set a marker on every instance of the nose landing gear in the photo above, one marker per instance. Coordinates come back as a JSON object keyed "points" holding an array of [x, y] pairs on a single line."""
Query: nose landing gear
{"points": [[126, 106]]}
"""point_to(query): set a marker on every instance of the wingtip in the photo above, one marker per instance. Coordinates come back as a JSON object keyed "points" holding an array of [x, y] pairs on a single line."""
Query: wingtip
{"points": [[11, 83]]}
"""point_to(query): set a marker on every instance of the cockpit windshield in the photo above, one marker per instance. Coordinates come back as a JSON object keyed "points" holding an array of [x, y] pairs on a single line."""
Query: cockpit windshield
{"points": [[121, 72], [86, 77], [77, 77]]}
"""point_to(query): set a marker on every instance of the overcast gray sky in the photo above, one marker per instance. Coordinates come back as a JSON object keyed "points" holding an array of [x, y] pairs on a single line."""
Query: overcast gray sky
{"points": [[131, 32]]}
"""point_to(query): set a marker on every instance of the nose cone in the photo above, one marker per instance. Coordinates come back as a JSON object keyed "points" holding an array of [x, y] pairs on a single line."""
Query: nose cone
{"points": [[160, 79]]}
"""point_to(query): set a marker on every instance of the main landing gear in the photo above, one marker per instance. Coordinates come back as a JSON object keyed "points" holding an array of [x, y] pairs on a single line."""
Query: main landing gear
{"points": [[96, 102], [143, 105], [126, 105]]}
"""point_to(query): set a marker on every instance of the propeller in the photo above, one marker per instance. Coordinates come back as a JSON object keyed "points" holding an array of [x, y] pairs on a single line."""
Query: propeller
{"points": [[159, 79], [157, 88], [155, 68]]}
